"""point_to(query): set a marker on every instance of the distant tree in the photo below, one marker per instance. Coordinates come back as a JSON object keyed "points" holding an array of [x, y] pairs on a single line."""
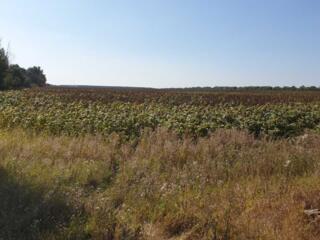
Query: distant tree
{"points": [[16, 77], [4, 65], [36, 77], [303, 87]]}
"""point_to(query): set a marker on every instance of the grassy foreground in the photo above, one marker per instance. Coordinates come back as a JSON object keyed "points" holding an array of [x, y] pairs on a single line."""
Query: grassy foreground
{"points": [[227, 186]]}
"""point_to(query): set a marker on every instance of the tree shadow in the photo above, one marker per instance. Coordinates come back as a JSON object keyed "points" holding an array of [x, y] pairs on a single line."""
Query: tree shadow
{"points": [[26, 212]]}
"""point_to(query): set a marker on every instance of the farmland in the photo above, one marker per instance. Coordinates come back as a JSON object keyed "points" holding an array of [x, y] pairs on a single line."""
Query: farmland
{"points": [[121, 163], [128, 113]]}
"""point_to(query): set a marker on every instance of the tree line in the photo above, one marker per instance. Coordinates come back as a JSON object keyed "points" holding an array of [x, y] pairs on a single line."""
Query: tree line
{"points": [[12, 76], [245, 89]]}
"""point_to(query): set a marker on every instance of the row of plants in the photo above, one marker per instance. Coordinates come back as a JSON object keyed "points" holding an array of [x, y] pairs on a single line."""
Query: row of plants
{"points": [[49, 113], [202, 97]]}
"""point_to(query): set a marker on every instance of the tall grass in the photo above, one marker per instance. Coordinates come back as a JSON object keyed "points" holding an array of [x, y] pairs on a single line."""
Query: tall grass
{"points": [[227, 186]]}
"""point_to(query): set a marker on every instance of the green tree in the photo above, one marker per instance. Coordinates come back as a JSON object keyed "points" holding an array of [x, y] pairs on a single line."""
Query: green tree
{"points": [[16, 77], [4, 65], [36, 77]]}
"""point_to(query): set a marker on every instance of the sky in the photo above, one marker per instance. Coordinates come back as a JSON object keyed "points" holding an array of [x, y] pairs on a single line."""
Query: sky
{"points": [[166, 43]]}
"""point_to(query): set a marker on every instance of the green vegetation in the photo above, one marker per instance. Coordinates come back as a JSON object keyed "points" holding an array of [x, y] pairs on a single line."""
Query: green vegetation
{"points": [[16, 77], [118, 164], [49, 113]]}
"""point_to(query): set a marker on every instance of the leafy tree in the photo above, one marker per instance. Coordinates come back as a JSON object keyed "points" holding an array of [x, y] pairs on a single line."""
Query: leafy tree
{"points": [[4, 65], [16, 77], [36, 77]]}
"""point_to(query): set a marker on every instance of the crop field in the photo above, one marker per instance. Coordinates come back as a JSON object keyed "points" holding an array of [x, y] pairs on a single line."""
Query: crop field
{"points": [[129, 112], [179, 164]]}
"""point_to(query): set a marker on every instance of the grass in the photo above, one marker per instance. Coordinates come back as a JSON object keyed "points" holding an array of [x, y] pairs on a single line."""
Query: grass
{"points": [[227, 186]]}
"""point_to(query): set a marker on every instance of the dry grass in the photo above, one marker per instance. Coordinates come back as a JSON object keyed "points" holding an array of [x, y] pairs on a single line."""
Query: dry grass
{"points": [[227, 186]]}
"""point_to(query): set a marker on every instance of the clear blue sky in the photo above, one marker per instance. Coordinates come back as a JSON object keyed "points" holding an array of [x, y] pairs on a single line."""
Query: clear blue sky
{"points": [[166, 43]]}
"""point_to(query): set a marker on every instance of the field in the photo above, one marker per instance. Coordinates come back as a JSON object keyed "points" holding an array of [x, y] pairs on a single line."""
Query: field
{"points": [[74, 112], [121, 163]]}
